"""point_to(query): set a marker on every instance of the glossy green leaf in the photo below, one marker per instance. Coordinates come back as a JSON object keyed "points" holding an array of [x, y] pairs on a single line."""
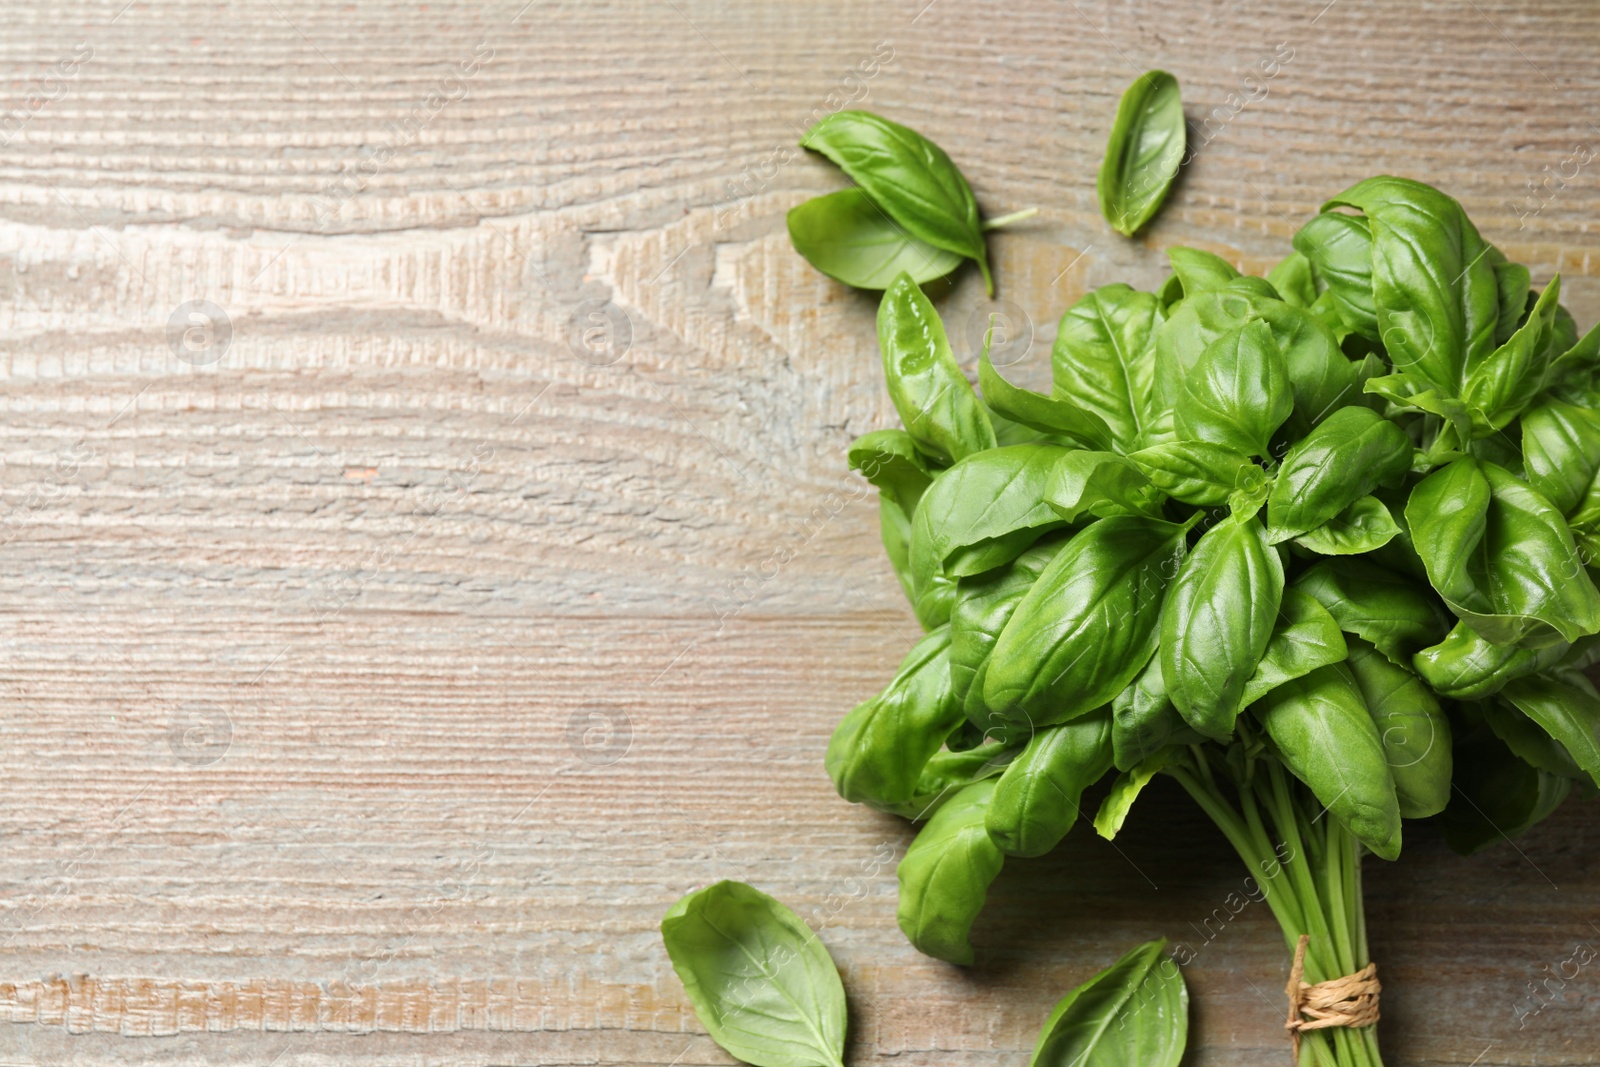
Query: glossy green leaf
{"points": [[1561, 447], [991, 501], [1125, 789], [1352, 452], [1414, 730], [1577, 365], [1046, 414], [1508, 379], [1497, 796], [1339, 249], [1134, 1012], [1200, 271], [936, 403], [1398, 615], [1218, 616], [1364, 526], [1237, 393], [1198, 473], [1035, 801], [949, 772], [909, 177], [1529, 741], [1567, 709], [850, 239], [760, 981], [1512, 282], [889, 459], [945, 875], [895, 530], [1104, 360], [933, 592], [1144, 720], [1464, 665], [1099, 484], [1294, 280], [1304, 638], [1143, 153], [984, 604]]}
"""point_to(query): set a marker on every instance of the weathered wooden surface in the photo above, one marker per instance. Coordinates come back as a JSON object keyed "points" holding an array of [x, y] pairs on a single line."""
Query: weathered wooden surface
{"points": [[374, 681]]}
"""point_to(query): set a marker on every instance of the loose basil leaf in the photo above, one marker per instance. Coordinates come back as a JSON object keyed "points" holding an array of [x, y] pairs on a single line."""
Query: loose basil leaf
{"points": [[1046, 414], [990, 501], [1100, 484], [1467, 666], [1104, 359], [1326, 737], [1414, 731], [1294, 281], [1088, 624], [1198, 473], [935, 401], [1567, 709], [1364, 526], [1200, 271], [879, 749], [1351, 453], [1143, 153], [1124, 791], [1390, 611], [1510, 377], [889, 460], [1237, 393], [945, 876], [895, 530], [909, 177], [949, 772], [1561, 447], [1434, 289], [760, 981], [1036, 800], [1215, 624], [1339, 248], [1497, 796], [1144, 721], [983, 606], [1306, 637], [850, 239], [1513, 283], [1529, 740], [1134, 1012]]}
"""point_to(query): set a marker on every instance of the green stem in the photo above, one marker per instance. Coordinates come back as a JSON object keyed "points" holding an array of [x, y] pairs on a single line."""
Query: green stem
{"points": [[1007, 220]]}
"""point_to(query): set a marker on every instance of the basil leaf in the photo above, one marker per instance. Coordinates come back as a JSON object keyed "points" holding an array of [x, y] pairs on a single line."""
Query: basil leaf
{"points": [[1364, 526], [1568, 711], [1414, 731], [1576, 366], [1510, 377], [1306, 637], [1144, 721], [850, 239], [1087, 626], [935, 401], [1388, 610], [1216, 622], [1351, 453], [1237, 393], [933, 592], [1294, 280], [985, 502], [1200, 271], [1325, 736], [760, 981], [1143, 153], [1512, 282], [909, 177], [1466, 666], [1529, 741], [1339, 249], [1198, 473], [1036, 800], [889, 460], [1046, 414], [1497, 796], [1134, 1012], [1125, 789], [895, 530], [949, 772], [945, 876], [984, 604], [1561, 447], [1104, 359], [1100, 484]]}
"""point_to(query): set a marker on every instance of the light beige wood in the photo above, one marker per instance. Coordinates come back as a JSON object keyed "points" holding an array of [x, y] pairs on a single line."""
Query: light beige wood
{"points": [[373, 687]]}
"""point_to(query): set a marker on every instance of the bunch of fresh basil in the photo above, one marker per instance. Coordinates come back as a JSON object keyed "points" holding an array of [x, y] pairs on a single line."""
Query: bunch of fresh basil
{"points": [[1318, 542]]}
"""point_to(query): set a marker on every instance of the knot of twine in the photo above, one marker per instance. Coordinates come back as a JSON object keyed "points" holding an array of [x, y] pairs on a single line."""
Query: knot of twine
{"points": [[1348, 1001]]}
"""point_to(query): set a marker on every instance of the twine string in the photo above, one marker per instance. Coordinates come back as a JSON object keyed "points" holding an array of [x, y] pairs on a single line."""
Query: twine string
{"points": [[1348, 1001]]}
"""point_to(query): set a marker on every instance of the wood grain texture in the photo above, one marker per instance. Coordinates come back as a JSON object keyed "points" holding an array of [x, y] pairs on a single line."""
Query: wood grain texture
{"points": [[373, 682]]}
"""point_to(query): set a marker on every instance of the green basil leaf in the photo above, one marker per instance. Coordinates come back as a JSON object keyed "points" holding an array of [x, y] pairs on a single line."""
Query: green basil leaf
{"points": [[1237, 393], [1200, 271], [1508, 379], [1036, 800], [1046, 414], [1326, 737], [985, 501], [889, 460], [1100, 484], [895, 530], [1143, 153], [1578, 363], [879, 749], [1339, 248], [935, 401], [933, 591], [984, 604], [1351, 453], [850, 239], [909, 177], [1364, 526], [1497, 796], [1513, 283], [1294, 281], [1561, 447], [1087, 626], [1414, 730], [1144, 721], [1397, 615], [1125, 789], [1567, 709], [1409, 393], [1104, 359], [949, 772], [1466, 666], [1215, 624], [1306, 637], [1134, 1012], [1529, 741], [945, 876], [760, 981], [1198, 473]]}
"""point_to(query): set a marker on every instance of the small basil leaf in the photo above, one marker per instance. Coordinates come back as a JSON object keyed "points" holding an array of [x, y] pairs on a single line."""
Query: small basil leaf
{"points": [[1409, 393], [1576, 366], [1046, 414], [1036, 800], [1513, 283], [1466, 666], [1306, 637], [1497, 796], [1198, 473], [1215, 624], [889, 460], [1364, 526], [986, 499], [850, 239], [983, 606], [1143, 153], [1508, 379], [1100, 484], [1414, 730], [1134, 1012], [949, 772], [1326, 737], [945, 876], [1200, 271], [1144, 721], [1561, 447], [1294, 281], [895, 530], [1567, 709], [909, 177], [1397, 615], [1237, 393], [1339, 248], [1104, 359], [1125, 789], [935, 401], [760, 981], [1352, 452]]}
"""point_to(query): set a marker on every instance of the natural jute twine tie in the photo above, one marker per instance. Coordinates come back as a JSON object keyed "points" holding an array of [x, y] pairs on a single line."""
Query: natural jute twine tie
{"points": [[1348, 1001]]}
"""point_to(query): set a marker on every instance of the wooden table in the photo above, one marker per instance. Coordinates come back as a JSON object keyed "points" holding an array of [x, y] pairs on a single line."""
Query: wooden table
{"points": [[428, 547]]}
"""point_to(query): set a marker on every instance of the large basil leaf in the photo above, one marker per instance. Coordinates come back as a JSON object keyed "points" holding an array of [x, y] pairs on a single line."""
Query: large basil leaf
{"points": [[1561, 447], [849, 238], [935, 401], [1508, 379], [1134, 1012], [1198, 473], [909, 177], [1100, 484], [1326, 737], [1414, 731], [986, 509], [1389, 610], [1215, 624], [1036, 800], [1237, 393], [1104, 359], [889, 460], [1046, 414], [1352, 452], [945, 875], [1144, 151], [1306, 637], [983, 606], [879, 749], [1364, 526], [1567, 709], [1467, 666], [1199, 271], [1144, 721], [1497, 796], [760, 981], [1339, 248], [1088, 624]]}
